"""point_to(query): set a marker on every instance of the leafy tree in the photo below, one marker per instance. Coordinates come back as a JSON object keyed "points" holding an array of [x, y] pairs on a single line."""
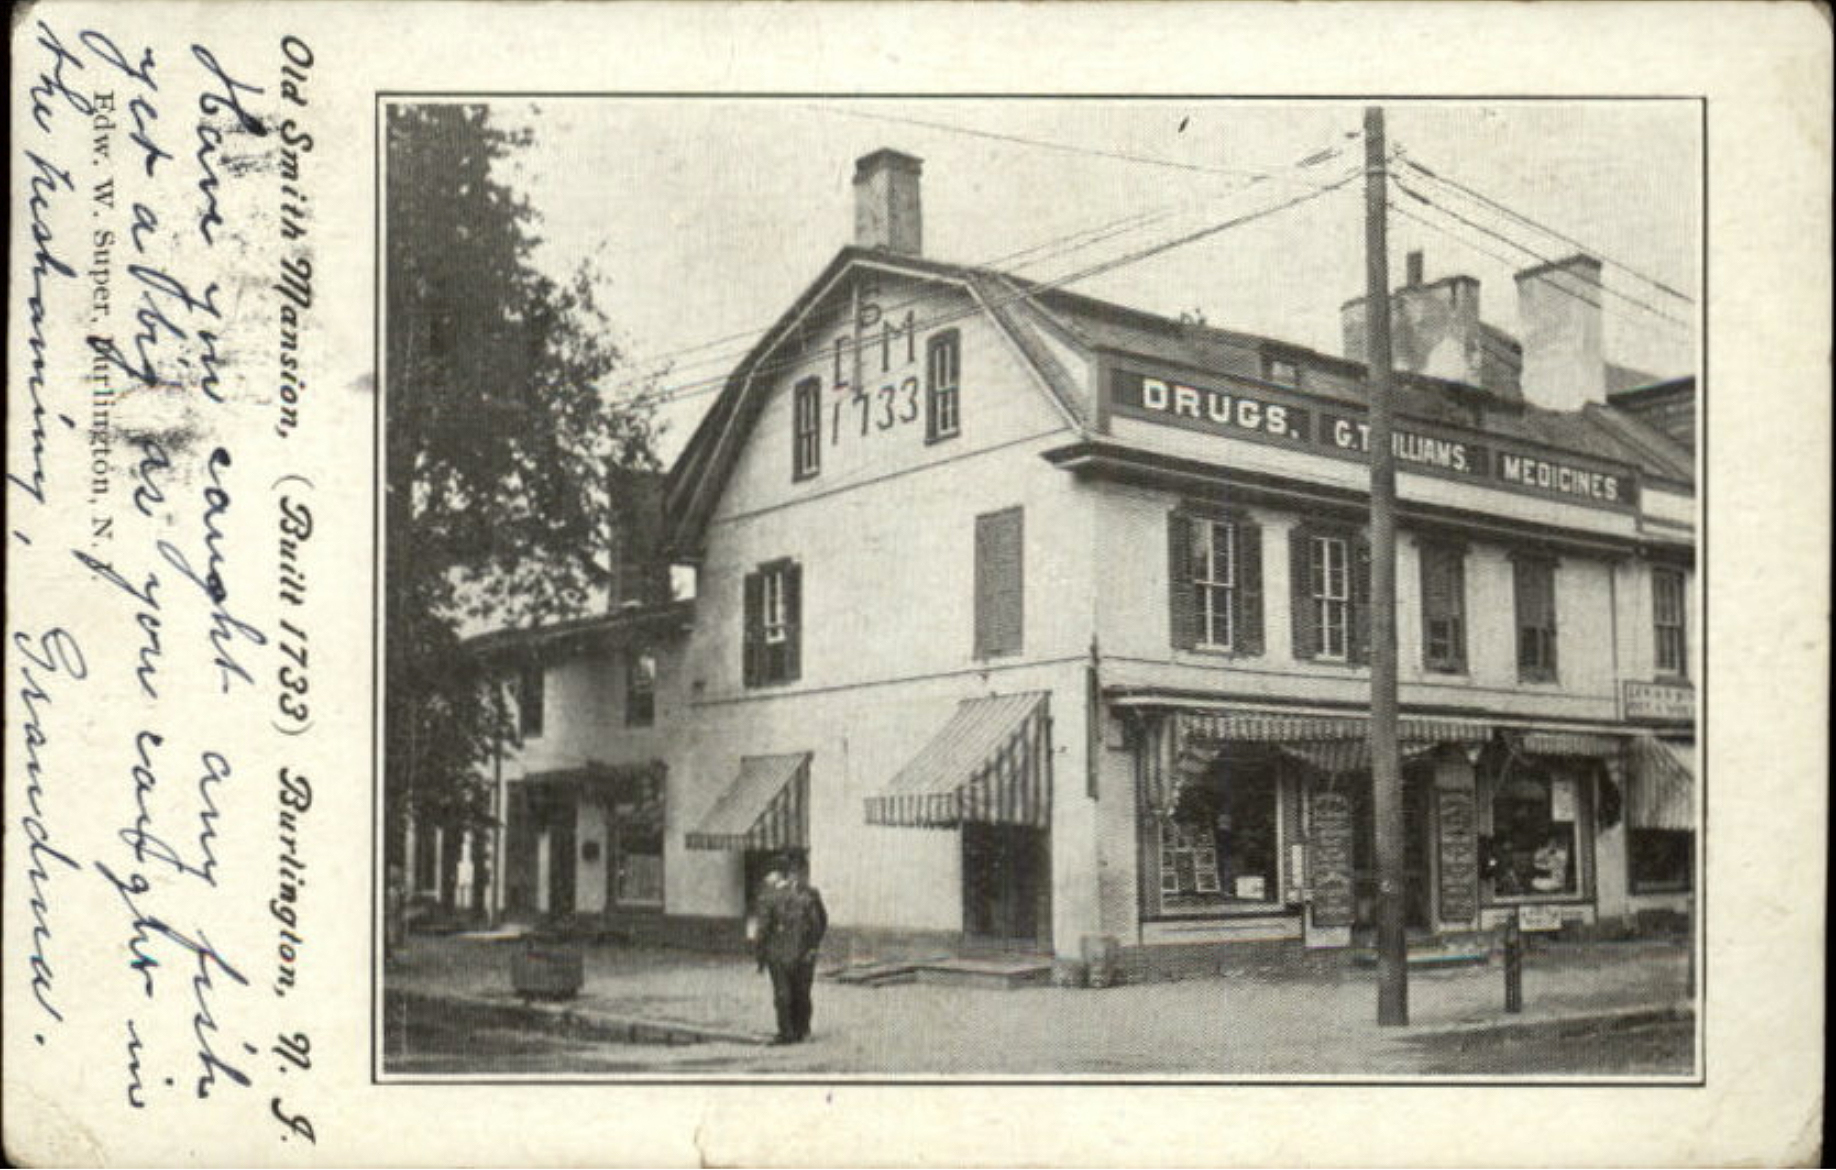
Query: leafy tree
{"points": [[499, 449]]}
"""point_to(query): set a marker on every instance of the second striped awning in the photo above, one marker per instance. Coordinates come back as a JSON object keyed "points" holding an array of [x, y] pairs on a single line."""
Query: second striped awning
{"points": [[766, 807], [990, 764], [1663, 785]]}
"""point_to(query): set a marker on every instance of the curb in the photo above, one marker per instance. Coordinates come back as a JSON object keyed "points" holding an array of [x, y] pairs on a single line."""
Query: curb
{"points": [[1554, 1027], [575, 1020]]}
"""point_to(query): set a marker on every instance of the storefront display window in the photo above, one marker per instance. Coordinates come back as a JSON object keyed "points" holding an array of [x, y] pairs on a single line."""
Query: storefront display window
{"points": [[1534, 847], [1221, 850]]}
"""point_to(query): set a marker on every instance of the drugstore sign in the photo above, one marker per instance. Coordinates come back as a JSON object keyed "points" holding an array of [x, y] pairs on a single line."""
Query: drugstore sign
{"points": [[1288, 420]]}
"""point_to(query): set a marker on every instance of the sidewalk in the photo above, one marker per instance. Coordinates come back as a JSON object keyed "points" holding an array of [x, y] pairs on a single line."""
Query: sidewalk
{"points": [[717, 1010]]}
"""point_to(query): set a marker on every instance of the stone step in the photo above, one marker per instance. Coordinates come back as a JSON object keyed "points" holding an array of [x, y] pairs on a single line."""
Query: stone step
{"points": [[995, 974]]}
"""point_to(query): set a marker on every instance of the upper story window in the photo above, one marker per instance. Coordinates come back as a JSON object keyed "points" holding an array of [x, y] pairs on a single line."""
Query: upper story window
{"points": [[1331, 578], [1444, 608], [942, 386], [640, 690], [529, 699], [1534, 580], [1000, 583], [1329, 587], [1215, 566], [806, 430], [1670, 625], [773, 624]]}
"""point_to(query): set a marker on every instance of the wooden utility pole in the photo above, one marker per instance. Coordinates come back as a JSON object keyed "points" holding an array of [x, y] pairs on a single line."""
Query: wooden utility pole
{"points": [[1386, 760]]}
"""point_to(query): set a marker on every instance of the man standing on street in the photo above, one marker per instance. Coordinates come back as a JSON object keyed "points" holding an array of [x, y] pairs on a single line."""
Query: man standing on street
{"points": [[792, 920]]}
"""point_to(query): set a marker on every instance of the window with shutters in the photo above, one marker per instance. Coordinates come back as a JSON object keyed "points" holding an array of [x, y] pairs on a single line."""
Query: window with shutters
{"points": [[1330, 576], [640, 690], [806, 438], [942, 388], [1000, 583], [1670, 626], [1215, 567], [1214, 581], [1534, 586], [1329, 587], [1443, 608], [530, 682], [773, 624]]}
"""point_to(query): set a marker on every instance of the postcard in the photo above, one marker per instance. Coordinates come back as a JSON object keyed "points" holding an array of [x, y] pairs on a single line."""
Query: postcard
{"points": [[801, 584]]}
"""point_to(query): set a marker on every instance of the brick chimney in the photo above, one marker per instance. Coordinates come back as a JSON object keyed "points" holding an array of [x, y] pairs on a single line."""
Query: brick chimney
{"points": [[1558, 316], [1435, 330], [887, 211]]}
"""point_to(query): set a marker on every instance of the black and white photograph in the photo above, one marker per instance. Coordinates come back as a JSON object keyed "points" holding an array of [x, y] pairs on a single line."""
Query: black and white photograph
{"points": [[1040, 588]]}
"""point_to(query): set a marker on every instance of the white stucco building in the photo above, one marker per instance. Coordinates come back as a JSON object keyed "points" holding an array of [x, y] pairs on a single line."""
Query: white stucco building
{"points": [[1034, 619]]}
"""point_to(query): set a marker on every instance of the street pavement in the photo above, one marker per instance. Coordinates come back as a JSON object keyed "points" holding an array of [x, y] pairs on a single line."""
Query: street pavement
{"points": [[1614, 1008]]}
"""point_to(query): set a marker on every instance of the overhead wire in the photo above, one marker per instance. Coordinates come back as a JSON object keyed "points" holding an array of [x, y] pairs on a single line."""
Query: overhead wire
{"points": [[1254, 174], [703, 386], [1034, 255], [1398, 183], [1504, 209], [1464, 241]]}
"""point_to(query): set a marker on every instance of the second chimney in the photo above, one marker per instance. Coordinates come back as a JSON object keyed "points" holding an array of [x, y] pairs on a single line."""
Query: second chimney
{"points": [[887, 211], [1558, 315]]}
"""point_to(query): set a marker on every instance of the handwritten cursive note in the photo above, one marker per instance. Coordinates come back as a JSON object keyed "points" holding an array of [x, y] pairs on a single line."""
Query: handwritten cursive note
{"points": [[159, 529]]}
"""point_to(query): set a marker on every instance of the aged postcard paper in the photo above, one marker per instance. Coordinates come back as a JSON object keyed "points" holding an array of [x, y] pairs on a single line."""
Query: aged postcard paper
{"points": [[804, 584]]}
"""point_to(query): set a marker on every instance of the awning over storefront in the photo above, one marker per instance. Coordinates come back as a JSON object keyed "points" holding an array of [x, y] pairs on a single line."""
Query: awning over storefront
{"points": [[766, 807], [1663, 785], [1333, 757], [1267, 727], [990, 764], [1572, 744], [1331, 744]]}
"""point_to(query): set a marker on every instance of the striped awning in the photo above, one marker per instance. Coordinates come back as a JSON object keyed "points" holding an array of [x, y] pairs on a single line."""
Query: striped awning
{"points": [[990, 764], [1571, 744], [1266, 727], [766, 807], [1332, 744], [1335, 756], [1663, 785]]}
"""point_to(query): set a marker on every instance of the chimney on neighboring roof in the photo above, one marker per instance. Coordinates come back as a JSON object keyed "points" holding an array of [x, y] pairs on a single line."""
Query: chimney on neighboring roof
{"points": [[1558, 315], [1435, 329], [887, 211]]}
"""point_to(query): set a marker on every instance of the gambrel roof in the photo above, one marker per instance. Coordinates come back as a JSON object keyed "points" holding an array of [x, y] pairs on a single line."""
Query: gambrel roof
{"points": [[1027, 312]]}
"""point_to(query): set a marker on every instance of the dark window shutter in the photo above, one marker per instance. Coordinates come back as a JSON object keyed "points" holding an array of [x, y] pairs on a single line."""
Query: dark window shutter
{"points": [[1444, 605], [999, 583], [1434, 599], [1360, 550], [1300, 576], [1248, 595], [753, 642], [793, 622], [1182, 606]]}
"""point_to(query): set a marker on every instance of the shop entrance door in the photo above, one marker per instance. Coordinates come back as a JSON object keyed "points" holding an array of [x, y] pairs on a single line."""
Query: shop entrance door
{"points": [[1418, 851], [1418, 854], [1007, 888], [561, 859]]}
